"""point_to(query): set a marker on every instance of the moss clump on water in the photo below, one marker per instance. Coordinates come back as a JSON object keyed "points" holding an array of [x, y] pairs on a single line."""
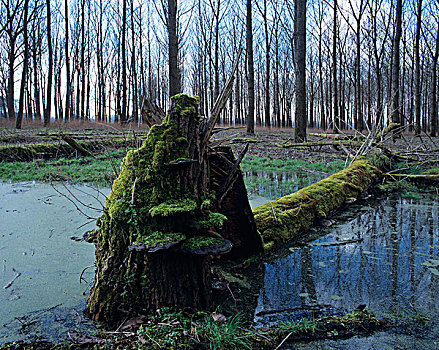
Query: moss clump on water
{"points": [[285, 217]]}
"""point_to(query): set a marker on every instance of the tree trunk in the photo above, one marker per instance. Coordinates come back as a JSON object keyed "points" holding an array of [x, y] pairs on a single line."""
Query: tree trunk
{"points": [[83, 61], [395, 95], [10, 92], [133, 66], [123, 116], [48, 108], [250, 71], [334, 72], [25, 67], [418, 70], [433, 98], [68, 87], [300, 62], [174, 74]]}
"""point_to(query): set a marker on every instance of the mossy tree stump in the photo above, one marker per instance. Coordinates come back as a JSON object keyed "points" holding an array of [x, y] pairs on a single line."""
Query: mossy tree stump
{"points": [[162, 223]]}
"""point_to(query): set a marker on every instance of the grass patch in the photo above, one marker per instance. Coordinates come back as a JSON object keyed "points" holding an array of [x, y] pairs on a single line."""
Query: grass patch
{"points": [[289, 165], [98, 170]]}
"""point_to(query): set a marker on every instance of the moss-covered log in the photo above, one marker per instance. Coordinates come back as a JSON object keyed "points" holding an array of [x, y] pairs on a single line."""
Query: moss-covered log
{"points": [[285, 217], [162, 223], [418, 178], [28, 152]]}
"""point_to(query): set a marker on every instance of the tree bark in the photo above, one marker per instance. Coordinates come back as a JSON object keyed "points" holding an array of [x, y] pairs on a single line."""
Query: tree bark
{"points": [[68, 87], [174, 74], [433, 93], [123, 116], [48, 107], [25, 67], [300, 63], [336, 125], [395, 92], [418, 70], [250, 121]]}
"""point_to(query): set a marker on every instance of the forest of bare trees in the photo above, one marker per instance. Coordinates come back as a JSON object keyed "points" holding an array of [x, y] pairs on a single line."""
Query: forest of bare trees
{"points": [[333, 65]]}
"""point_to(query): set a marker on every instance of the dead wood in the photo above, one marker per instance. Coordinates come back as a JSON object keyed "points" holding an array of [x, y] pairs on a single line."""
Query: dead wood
{"points": [[81, 149], [151, 113]]}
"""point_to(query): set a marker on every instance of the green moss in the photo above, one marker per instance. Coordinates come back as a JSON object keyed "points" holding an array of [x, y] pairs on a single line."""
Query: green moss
{"points": [[212, 220], [390, 127], [160, 238], [285, 217], [252, 163], [434, 171], [173, 208], [201, 242]]}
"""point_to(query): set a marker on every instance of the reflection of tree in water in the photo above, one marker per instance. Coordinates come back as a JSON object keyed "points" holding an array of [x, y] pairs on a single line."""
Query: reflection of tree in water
{"points": [[274, 185], [308, 285], [384, 270]]}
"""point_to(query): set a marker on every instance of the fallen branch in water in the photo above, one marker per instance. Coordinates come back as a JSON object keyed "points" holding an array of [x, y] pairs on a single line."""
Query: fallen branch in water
{"points": [[13, 280]]}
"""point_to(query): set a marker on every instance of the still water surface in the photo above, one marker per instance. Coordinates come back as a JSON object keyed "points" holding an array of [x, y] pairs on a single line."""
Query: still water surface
{"points": [[384, 254], [39, 264]]}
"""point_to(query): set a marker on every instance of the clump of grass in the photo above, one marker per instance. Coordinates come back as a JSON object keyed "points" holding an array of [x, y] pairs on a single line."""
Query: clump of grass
{"points": [[411, 195], [177, 329], [303, 326], [225, 335]]}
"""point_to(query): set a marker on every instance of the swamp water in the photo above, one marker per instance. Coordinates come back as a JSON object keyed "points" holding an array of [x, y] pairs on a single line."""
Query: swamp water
{"points": [[384, 255], [388, 260], [40, 294]]}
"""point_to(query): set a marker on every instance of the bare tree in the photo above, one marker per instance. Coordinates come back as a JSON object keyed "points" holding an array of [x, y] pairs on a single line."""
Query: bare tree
{"points": [[25, 66], [174, 74], [395, 106], [123, 116], [250, 71], [48, 106], [300, 69], [418, 69]]}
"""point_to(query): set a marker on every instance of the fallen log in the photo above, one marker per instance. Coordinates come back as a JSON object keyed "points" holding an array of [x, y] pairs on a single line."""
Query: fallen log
{"points": [[29, 152], [420, 178], [75, 145], [284, 218], [318, 143]]}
